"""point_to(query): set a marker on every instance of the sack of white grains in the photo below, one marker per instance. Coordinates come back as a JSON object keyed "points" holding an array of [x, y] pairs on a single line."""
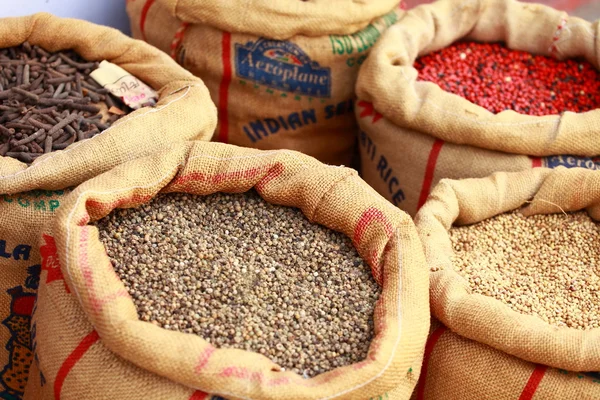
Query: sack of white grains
{"points": [[281, 72], [462, 89], [212, 269], [515, 276], [59, 127]]}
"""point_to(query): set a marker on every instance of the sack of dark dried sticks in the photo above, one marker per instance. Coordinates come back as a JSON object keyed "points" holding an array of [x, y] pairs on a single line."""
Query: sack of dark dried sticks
{"points": [[169, 277], [515, 277], [59, 127]]}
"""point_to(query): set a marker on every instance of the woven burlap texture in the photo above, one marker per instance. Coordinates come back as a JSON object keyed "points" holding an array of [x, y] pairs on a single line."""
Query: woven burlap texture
{"points": [[184, 110], [485, 319], [457, 368], [333, 196]]}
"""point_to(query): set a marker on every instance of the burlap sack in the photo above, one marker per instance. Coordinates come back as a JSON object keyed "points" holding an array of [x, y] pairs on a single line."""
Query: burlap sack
{"points": [[89, 342], [456, 368], [282, 73], [414, 133], [22, 217], [184, 111], [516, 337]]}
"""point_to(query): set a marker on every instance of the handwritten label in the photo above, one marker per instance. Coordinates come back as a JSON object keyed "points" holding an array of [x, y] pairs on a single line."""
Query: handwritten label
{"points": [[122, 84]]}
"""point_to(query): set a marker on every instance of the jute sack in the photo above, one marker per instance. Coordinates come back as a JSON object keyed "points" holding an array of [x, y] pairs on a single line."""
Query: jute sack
{"points": [[498, 335], [413, 133], [89, 342], [448, 358], [22, 217], [282, 73], [184, 110]]}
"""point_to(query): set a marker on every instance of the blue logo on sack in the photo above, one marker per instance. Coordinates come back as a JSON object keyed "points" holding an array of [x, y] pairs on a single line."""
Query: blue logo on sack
{"points": [[283, 66], [567, 161]]}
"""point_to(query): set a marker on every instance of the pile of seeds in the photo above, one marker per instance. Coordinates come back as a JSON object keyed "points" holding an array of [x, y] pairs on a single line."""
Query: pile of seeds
{"points": [[48, 101], [544, 265], [497, 78], [243, 273]]}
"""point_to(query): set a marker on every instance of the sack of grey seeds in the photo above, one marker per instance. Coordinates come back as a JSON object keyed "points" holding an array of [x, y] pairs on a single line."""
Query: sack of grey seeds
{"points": [[281, 72], [90, 342], [519, 291], [183, 112]]}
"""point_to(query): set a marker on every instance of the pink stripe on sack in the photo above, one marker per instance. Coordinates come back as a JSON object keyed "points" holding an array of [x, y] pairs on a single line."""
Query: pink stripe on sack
{"points": [[204, 358], [178, 39]]}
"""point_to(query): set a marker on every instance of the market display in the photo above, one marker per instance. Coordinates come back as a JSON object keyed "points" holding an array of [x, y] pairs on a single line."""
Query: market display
{"points": [[242, 273], [141, 261], [49, 101]]}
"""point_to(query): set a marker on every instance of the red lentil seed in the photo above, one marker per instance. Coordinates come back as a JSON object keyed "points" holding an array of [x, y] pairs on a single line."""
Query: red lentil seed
{"points": [[498, 78]]}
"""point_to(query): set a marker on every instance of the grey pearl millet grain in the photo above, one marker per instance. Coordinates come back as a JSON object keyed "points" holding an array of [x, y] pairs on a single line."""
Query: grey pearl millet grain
{"points": [[243, 273], [544, 265]]}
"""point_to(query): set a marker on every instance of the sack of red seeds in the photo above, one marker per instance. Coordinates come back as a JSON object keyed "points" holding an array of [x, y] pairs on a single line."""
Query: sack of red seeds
{"points": [[48, 103], [514, 277], [93, 339], [282, 73], [183, 109], [451, 114]]}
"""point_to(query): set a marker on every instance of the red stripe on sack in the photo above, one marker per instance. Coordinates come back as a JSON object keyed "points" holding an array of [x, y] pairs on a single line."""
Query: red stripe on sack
{"points": [[198, 395], [429, 171], [431, 342], [369, 215], [534, 381], [536, 162], [143, 17], [178, 39], [224, 88], [71, 360]]}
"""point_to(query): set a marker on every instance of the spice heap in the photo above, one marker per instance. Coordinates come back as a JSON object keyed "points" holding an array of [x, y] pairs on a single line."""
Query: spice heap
{"points": [[497, 78], [243, 273], [544, 265], [48, 101]]}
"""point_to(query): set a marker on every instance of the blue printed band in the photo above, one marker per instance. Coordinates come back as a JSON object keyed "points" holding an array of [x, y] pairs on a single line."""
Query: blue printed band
{"points": [[282, 66]]}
